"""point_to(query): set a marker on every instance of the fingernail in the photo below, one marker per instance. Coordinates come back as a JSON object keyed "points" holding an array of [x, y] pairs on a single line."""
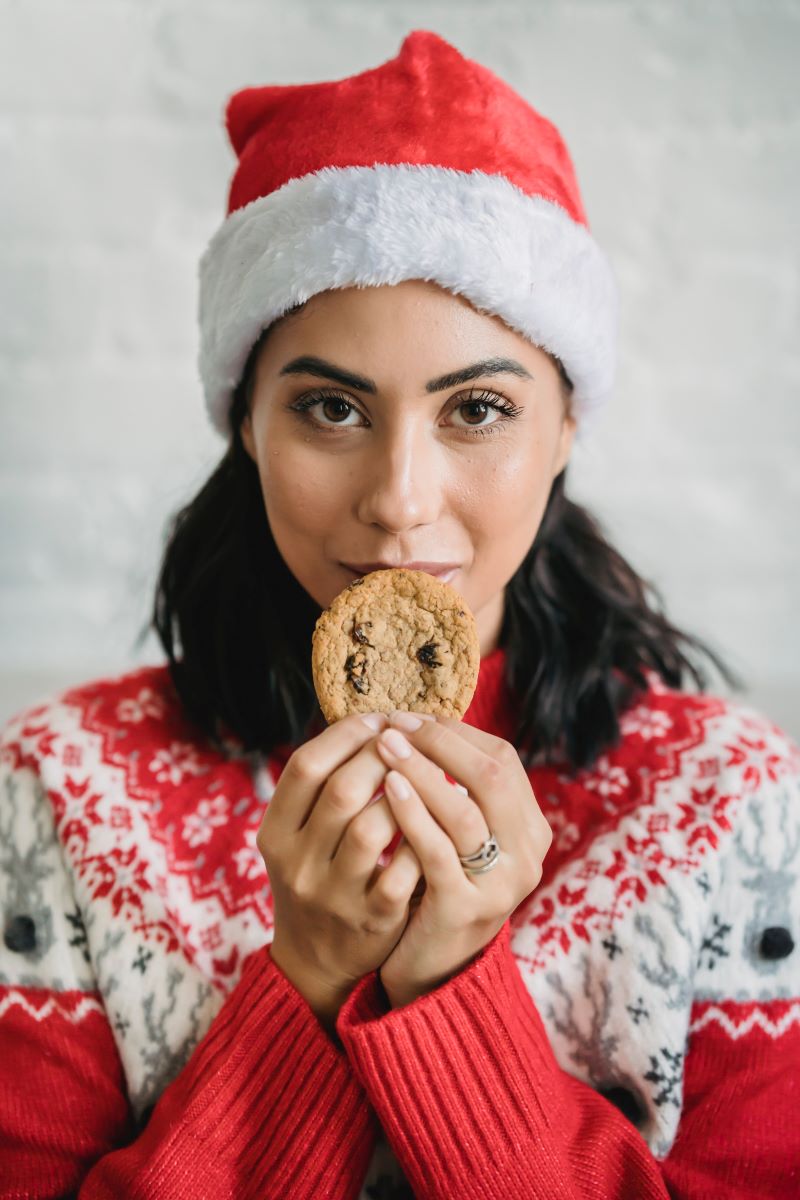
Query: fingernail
{"points": [[395, 743], [374, 721], [397, 786], [405, 720]]}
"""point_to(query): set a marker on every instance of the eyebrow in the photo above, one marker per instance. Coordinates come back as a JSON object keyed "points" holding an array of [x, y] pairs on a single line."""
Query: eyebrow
{"points": [[310, 365]]}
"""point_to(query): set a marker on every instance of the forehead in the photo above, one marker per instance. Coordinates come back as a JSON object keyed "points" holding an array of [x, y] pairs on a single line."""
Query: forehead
{"points": [[412, 331]]}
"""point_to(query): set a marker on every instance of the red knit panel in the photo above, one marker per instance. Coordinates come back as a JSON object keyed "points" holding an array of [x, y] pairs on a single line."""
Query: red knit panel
{"points": [[491, 707], [460, 116], [63, 1103], [739, 1135]]}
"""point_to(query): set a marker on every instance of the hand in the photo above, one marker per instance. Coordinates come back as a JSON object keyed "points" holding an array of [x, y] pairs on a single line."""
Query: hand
{"points": [[459, 914], [337, 914]]}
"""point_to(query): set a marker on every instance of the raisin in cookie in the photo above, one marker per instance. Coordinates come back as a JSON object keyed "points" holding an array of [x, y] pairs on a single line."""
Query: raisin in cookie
{"points": [[395, 639]]}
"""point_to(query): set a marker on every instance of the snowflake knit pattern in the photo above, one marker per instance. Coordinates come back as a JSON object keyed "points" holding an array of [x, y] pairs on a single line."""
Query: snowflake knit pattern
{"points": [[632, 1031]]}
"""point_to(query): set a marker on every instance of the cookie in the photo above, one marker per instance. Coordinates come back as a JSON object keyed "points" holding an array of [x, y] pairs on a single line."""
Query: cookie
{"points": [[395, 639]]}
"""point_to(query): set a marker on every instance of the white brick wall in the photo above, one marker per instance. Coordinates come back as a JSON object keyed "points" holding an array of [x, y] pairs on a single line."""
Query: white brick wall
{"points": [[683, 120]]}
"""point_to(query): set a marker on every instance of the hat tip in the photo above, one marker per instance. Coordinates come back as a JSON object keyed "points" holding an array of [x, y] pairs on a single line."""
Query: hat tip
{"points": [[424, 37]]}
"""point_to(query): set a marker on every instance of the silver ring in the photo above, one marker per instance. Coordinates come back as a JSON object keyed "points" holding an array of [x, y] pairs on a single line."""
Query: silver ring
{"points": [[482, 860]]}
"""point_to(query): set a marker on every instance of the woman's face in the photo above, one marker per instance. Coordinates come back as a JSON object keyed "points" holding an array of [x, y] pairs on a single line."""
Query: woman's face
{"points": [[398, 464]]}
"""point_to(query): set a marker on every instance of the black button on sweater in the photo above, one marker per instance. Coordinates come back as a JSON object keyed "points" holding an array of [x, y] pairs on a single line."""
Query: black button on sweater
{"points": [[20, 934], [625, 1100], [776, 942]]}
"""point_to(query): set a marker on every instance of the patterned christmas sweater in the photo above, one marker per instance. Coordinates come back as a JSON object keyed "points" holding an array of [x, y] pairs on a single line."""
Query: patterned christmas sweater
{"points": [[632, 1031]]}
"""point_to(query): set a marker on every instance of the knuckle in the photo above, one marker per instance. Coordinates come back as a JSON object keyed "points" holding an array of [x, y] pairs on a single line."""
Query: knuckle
{"points": [[364, 834], [540, 832], [533, 869], [506, 754], [357, 732], [300, 886], [389, 891], [354, 721], [338, 795], [437, 734], [301, 768], [267, 847], [473, 827], [491, 771]]}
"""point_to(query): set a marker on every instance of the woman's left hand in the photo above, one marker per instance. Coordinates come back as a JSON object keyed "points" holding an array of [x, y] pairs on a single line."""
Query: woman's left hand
{"points": [[458, 913]]}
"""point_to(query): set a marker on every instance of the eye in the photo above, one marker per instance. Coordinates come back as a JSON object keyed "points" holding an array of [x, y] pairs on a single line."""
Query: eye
{"points": [[476, 408], [332, 404], [338, 407]]}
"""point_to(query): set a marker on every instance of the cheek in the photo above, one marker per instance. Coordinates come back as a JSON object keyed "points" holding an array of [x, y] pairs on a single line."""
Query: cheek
{"points": [[294, 496], [508, 485]]}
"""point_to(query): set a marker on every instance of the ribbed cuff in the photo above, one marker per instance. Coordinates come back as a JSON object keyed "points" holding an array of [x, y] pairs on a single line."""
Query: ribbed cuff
{"points": [[266, 1106], [464, 1082]]}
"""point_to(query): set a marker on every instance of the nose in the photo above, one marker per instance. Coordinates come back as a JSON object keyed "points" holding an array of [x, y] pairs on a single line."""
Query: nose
{"points": [[400, 481]]}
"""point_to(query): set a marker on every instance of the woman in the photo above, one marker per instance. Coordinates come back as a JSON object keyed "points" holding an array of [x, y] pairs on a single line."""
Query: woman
{"points": [[245, 954]]}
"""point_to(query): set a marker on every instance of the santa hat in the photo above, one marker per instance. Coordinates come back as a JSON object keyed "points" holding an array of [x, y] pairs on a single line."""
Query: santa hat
{"points": [[427, 167]]}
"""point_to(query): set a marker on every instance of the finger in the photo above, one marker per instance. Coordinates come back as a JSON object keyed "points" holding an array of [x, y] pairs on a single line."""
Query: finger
{"points": [[311, 765], [477, 737], [398, 881], [486, 803], [454, 810], [484, 772], [434, 849], [345, 795], [363, 841], [503, 749]]}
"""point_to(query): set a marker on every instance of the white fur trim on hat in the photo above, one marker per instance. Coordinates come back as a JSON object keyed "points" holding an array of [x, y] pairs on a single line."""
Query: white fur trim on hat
{"points": [[519, 257]]}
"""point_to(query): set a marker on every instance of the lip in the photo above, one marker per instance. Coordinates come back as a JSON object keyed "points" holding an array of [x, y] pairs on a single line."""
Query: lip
{"points": [[441, 570]]}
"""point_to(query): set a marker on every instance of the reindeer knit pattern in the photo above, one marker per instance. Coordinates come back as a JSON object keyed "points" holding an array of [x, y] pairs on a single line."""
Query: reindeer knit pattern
{"points": [[632, 1031]]}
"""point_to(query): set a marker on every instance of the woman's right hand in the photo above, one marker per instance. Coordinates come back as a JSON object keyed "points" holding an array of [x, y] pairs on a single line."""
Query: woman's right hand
{"points": [[338, 915]]}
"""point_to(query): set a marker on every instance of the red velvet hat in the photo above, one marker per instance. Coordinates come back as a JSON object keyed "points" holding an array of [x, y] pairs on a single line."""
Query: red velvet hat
{"points": [[426, 167]]}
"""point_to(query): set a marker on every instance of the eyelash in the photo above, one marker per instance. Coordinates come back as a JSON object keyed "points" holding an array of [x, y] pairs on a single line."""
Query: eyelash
{"points": [[493, 400]]}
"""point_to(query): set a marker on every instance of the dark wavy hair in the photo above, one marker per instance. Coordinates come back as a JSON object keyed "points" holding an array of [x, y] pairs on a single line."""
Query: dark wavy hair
{"points": [[580, 628]]}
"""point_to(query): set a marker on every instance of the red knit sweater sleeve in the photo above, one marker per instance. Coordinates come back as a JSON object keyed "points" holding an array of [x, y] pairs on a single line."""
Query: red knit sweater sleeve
{"points": [[473, 1101], [266, 1106]]}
